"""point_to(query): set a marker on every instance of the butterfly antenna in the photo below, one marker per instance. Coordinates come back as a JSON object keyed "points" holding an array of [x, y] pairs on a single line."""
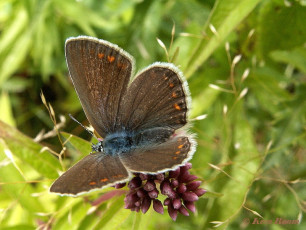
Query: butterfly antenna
{"points": [[91, 133]]}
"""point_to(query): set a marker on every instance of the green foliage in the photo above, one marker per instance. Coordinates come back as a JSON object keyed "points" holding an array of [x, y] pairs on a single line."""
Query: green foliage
{"points": [[251, 146]]}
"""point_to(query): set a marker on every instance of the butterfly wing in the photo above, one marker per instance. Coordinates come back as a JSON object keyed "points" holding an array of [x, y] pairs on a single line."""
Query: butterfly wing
{"points": [[157, 97], [161, 157], [100, 72], [94, 171]]}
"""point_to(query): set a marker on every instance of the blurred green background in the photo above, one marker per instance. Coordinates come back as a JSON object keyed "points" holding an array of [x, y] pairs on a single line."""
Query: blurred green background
{"points": [[245, 61]]}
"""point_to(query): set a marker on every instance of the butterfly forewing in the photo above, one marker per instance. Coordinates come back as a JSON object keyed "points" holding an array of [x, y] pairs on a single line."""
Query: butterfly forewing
{"points": [[100, 72], [156, 98]]}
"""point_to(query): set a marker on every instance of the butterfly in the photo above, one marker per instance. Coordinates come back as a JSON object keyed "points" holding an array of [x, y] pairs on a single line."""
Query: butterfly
{"points": [[143, 121]]}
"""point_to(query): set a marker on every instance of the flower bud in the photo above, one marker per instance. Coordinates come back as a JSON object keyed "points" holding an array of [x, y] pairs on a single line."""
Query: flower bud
{"points": [[135, 183], [193, 185], [167, 190], [190, 196], [136, 209], [181, 188], [175, 173], [145, 204], [183, 211], [149, 186], [141, 193], [158, 206], [167, 201], [190, 206], [200, 192], [160, 177], [153, 194], [131, 198], [172, 212], [174, 183], [144, 176], [120, 185], [177, 203], [138, 203]]}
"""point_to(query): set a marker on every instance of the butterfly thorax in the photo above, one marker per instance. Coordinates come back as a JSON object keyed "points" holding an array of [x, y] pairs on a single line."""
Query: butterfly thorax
{"points": [[119, 142], [125, 141]]}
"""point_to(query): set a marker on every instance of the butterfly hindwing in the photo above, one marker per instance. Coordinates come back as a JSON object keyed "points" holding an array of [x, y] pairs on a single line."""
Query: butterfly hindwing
{"points": [[94, 171], [160, 157]]}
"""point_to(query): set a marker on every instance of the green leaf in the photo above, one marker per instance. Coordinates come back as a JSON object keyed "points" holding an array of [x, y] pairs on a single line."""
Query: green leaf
{"points": [[114, 207], [88, 222], [71, 214], [280, 27], [15, 84], [225, 16], [78, 13], [14, 184], [19, 227], [29, 151], [14, 59], [295, 57], [203, 101], [83, 146], [5, 106], [119, 217], [265, 81], [246, 161], [14, 29]]}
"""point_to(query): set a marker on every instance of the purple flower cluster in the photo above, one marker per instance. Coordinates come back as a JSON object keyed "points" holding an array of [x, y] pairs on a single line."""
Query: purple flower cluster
{"points": [[180, 187]]}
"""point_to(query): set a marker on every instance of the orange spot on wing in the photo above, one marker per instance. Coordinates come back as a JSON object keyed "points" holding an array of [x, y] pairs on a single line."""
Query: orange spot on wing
{"points": [[100, 55], [177, 152], [110, 58], [171, 85], [118, 176], [174, 158], [121, 65], [174, 95], [92, 183], [104, 180], [177, 107], [180, 146]]}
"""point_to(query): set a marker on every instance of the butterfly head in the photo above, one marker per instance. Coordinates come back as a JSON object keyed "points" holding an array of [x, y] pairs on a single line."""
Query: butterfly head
{"points": [[97, 147]]}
